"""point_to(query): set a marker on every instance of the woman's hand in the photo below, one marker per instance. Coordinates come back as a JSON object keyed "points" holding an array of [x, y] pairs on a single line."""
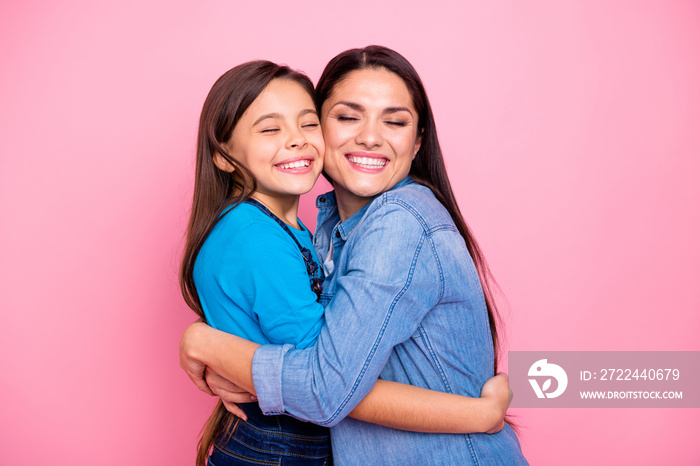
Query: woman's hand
{"points": [[497, 390], [198, 340], [229, 393], [193, 366]]}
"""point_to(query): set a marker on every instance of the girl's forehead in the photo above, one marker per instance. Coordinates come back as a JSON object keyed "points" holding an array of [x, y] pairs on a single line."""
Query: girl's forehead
{"points": [[279, 95]]}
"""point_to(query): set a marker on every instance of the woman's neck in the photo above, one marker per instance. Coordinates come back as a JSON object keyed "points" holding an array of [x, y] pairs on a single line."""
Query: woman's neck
{"points": [[348, 203], [284, 207]]}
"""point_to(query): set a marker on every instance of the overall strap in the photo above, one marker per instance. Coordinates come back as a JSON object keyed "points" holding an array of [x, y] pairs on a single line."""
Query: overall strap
{"points": [[312, 268]]}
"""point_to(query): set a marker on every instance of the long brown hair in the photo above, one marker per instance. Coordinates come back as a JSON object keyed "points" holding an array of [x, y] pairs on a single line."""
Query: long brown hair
{"points": [[428, 167], [216, 189]]}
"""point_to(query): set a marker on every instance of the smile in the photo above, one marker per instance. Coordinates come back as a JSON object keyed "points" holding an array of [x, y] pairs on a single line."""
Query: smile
{"points": [[294, 165], [367, 162]]}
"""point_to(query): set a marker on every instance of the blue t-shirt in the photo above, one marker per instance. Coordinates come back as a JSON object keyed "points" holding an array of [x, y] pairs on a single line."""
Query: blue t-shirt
{"points": [[252, 282]]}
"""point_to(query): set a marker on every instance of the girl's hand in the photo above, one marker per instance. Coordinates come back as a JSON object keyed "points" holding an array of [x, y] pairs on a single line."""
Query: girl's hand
{"points": [[497, 390], [229, 393]]}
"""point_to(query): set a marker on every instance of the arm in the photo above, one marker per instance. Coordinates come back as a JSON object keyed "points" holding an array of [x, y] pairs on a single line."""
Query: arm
{"points": [[417, 409], [378, 296], [231, 357], [391, 404], [390, 281]]}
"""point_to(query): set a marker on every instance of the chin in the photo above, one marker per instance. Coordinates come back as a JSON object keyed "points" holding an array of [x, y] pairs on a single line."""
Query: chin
{"points": [[362, 191], [302, 190]]}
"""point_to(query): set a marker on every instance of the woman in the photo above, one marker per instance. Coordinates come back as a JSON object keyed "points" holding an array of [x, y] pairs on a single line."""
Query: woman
{"points": [[259, 148], [407, 296]]}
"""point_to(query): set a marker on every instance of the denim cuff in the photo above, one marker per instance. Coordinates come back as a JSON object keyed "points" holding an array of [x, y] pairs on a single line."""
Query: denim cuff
{"points": [[267, 377]]}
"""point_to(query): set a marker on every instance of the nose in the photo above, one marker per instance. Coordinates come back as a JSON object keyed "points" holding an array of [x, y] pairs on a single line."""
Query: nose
{"points": [[369, 135], [295, 139]]}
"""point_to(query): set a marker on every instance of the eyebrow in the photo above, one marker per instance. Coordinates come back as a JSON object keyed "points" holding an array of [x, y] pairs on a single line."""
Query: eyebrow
{"points": [[277, 115], [265, 117], [307, 111], [397, 109], [352, 105], [360, 108]]}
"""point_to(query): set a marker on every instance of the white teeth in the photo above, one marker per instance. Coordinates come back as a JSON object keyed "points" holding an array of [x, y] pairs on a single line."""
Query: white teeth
{"points": [[367, 162], [297, 164]]}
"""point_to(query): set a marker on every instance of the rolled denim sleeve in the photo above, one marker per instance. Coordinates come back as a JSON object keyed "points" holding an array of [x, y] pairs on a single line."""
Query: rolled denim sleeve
{"points": [[391, 278], [267, 377]]}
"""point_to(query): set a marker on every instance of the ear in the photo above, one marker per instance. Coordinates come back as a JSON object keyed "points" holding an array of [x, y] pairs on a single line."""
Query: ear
{"points": [[416, 146], [223, 164]]}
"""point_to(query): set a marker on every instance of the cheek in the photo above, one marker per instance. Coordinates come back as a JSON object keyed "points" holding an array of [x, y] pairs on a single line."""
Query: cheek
{"points": [[253, 157], [330, 160], [335, 137], [320, 145], [404, 148], [263, 152]]}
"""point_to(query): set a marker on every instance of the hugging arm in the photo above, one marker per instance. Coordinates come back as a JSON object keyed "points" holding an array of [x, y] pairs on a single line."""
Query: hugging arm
{"points": [[407, 407], [392, 282], [391, 404], [328, 381]]}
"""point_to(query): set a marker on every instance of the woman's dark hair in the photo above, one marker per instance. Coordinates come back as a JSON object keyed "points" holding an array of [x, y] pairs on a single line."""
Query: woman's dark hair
{"points": [[428, 167], [216, 189]]}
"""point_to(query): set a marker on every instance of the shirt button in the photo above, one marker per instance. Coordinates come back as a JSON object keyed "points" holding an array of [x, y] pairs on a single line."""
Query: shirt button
{"points": [[337, 234]]}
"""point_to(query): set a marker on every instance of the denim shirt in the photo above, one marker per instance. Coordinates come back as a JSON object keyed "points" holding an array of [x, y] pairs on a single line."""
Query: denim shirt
{"points": [[404, 303]]}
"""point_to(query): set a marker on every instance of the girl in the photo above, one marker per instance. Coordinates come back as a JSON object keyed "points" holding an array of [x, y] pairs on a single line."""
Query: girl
{"points": [[250, 267]]}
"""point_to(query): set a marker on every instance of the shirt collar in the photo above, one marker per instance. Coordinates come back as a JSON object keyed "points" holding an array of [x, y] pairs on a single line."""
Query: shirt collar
{"points": [[326, 201], [326, 204]]}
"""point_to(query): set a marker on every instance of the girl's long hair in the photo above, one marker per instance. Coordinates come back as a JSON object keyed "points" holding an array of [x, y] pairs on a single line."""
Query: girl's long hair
{"points": [[216, 189], [428, 167]]}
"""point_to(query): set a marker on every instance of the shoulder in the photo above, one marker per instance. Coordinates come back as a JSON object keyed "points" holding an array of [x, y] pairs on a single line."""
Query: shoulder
{"points": [[240, 216], [413, 203], [244, 226]]}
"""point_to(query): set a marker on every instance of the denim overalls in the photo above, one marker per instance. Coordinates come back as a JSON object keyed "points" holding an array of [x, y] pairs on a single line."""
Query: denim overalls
{"points": [[279, 440]]}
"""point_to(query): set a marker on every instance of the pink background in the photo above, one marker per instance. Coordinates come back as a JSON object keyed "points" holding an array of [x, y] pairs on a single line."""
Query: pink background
{"points": [[572, 136]]}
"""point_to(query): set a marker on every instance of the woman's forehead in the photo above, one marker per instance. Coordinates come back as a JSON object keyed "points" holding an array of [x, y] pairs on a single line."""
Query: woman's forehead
{"points": [[371, 87]]}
